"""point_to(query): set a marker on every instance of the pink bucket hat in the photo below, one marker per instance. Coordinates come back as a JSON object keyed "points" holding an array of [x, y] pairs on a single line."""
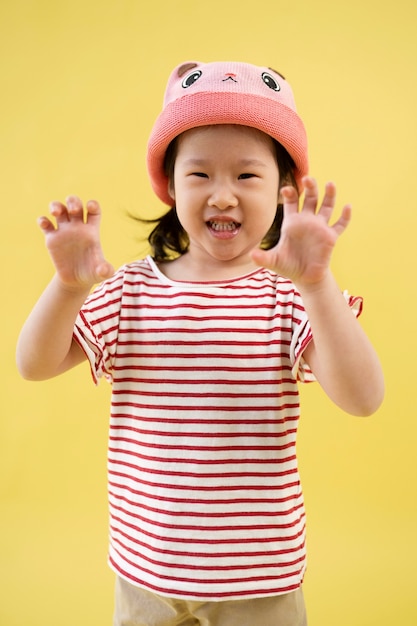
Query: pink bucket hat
{"points": [[201, 94]]}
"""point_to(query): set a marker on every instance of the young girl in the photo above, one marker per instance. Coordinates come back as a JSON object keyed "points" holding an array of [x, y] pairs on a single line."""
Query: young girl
{"points": [[204, 343]]}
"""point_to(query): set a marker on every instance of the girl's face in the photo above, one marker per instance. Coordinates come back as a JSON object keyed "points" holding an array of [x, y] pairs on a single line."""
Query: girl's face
{"points": [[225, 189]]}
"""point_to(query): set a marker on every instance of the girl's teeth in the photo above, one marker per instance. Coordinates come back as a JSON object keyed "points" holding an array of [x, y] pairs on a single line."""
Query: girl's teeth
{"points": [[223, 226]]}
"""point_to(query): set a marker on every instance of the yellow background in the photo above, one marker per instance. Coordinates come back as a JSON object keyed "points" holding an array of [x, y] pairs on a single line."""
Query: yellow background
{"points": [[81, 83]]}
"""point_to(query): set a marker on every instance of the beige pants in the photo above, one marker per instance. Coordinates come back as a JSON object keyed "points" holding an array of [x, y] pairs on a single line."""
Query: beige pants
{"points": [[138, 607]]}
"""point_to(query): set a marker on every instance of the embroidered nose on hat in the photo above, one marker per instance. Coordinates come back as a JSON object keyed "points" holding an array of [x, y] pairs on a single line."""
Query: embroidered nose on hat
{"points": [[201, 94]]}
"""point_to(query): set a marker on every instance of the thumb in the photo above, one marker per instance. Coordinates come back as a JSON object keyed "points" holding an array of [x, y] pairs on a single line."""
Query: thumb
{"points": [[104, 270], [263, 258]]}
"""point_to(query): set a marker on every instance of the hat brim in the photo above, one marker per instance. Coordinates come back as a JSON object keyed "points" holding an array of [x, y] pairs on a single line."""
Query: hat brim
{"points": [[206, 108]]}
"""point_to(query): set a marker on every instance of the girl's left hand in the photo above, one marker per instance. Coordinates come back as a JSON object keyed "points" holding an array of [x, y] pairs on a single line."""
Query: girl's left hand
{"points": [[307, 239]]}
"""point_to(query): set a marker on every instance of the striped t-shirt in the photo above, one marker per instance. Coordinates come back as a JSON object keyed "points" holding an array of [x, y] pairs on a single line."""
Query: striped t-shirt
{"points": [[204, 491]]}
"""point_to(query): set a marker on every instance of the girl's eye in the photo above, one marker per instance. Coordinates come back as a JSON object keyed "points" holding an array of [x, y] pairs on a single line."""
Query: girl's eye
{"points": [[191, 78], [200, 174], [245, 176], [270, 81]]}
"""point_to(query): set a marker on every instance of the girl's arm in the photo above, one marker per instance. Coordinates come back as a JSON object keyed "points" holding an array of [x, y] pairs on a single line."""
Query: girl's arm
{"points": [[46, 347], [340, 355]]}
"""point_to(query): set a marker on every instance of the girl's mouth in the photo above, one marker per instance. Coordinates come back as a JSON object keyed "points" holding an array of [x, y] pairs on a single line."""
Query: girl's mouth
{"points": [[223, 229], [223, 226]]}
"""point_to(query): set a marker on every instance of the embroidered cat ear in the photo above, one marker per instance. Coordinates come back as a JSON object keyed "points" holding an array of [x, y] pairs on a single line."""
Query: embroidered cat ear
{"points": [[186, 67], [276, 72]]}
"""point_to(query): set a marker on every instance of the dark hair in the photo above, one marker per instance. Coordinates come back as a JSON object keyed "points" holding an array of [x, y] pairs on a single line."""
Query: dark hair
{"points": [[169, 239]]}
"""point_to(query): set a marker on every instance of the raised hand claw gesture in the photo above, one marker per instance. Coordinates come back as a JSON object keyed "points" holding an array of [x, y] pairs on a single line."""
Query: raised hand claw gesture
{"points": [[307, 239], [74, 243]]}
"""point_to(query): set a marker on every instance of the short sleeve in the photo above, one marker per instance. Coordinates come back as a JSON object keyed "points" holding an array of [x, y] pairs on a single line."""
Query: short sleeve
{"points": [[96, 326], [303, 336], [93, 347]]}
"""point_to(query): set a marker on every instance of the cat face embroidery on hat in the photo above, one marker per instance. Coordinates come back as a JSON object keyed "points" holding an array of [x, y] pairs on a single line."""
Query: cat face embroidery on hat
{"points": [[241, 78], [203, 94]]}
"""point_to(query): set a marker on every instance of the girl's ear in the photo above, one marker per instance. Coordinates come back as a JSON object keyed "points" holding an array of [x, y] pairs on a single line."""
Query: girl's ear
{"points": [[280, 194], [171, 189]]}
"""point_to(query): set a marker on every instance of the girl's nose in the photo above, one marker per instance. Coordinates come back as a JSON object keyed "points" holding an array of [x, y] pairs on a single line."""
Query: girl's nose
{"points": [[223, 197]]}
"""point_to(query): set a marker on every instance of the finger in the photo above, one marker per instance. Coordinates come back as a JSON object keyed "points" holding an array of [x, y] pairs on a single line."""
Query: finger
{"points": [[329, 201], [311, 194], [59, 211], [343, 221], [289, 199], [93, 210], [45, 224], [93, 207], [104, 270], [75, 208], [264, 258]]}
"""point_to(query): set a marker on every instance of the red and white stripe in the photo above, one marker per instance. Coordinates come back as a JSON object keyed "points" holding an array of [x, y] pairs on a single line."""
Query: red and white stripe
{"points": [[204, 491]]}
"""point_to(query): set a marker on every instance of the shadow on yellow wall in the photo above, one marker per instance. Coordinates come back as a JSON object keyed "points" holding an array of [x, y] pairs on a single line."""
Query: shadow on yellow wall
{"points": [[81, 86]]}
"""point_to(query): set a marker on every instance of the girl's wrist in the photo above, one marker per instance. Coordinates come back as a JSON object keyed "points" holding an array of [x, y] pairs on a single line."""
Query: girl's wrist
{"points": [[72, 291], [317, 287]]}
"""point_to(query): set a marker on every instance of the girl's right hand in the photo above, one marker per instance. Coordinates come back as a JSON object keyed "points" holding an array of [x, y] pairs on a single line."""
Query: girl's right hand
{"points": [[74, 243]]}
